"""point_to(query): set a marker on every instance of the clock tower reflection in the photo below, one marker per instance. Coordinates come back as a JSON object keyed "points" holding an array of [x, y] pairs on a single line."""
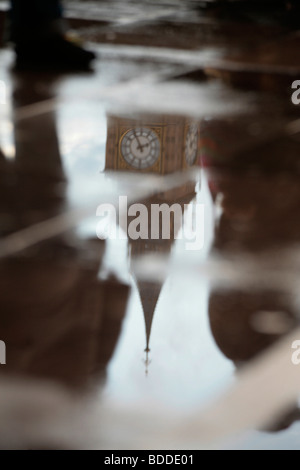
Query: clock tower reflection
{"points": [[162, 145], [156, 144]]}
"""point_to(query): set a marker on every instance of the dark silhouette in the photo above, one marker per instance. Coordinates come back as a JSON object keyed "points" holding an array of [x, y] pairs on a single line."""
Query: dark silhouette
{"points": [[37, 29]]}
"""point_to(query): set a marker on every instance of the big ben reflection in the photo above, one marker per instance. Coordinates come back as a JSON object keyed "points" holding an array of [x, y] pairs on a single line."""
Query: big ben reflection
{"points": [[157, 144], [161, 145]]}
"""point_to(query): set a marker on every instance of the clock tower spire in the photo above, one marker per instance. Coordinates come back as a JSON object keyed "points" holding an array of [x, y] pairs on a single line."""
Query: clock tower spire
{"points": [[149, 295]]}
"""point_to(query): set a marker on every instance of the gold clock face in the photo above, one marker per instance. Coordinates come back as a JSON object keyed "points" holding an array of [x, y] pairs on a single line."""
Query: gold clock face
{"points": [[140, 147], [191, 144]]}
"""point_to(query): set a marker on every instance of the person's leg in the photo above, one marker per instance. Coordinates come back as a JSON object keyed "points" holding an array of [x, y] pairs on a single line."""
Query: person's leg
{"points": [[30, 16], [37, 30], [36, 10]]}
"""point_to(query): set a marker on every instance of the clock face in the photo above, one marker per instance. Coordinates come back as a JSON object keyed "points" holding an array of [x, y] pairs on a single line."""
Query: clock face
{"points": [[140, 147], [191, 144]]}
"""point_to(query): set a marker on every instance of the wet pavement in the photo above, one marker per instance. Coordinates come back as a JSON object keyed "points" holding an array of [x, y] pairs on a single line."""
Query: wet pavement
{"points": [[120, 332]]}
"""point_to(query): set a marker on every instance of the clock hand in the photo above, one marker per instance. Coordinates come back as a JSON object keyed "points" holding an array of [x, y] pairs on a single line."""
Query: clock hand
{"points": [[144, 146], [140, 146]]}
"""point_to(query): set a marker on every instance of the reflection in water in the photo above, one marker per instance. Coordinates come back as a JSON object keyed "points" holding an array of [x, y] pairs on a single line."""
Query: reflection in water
{"points": [[73, 319], [258, 194], [245, 323], [161, 145], [74, 316]]}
